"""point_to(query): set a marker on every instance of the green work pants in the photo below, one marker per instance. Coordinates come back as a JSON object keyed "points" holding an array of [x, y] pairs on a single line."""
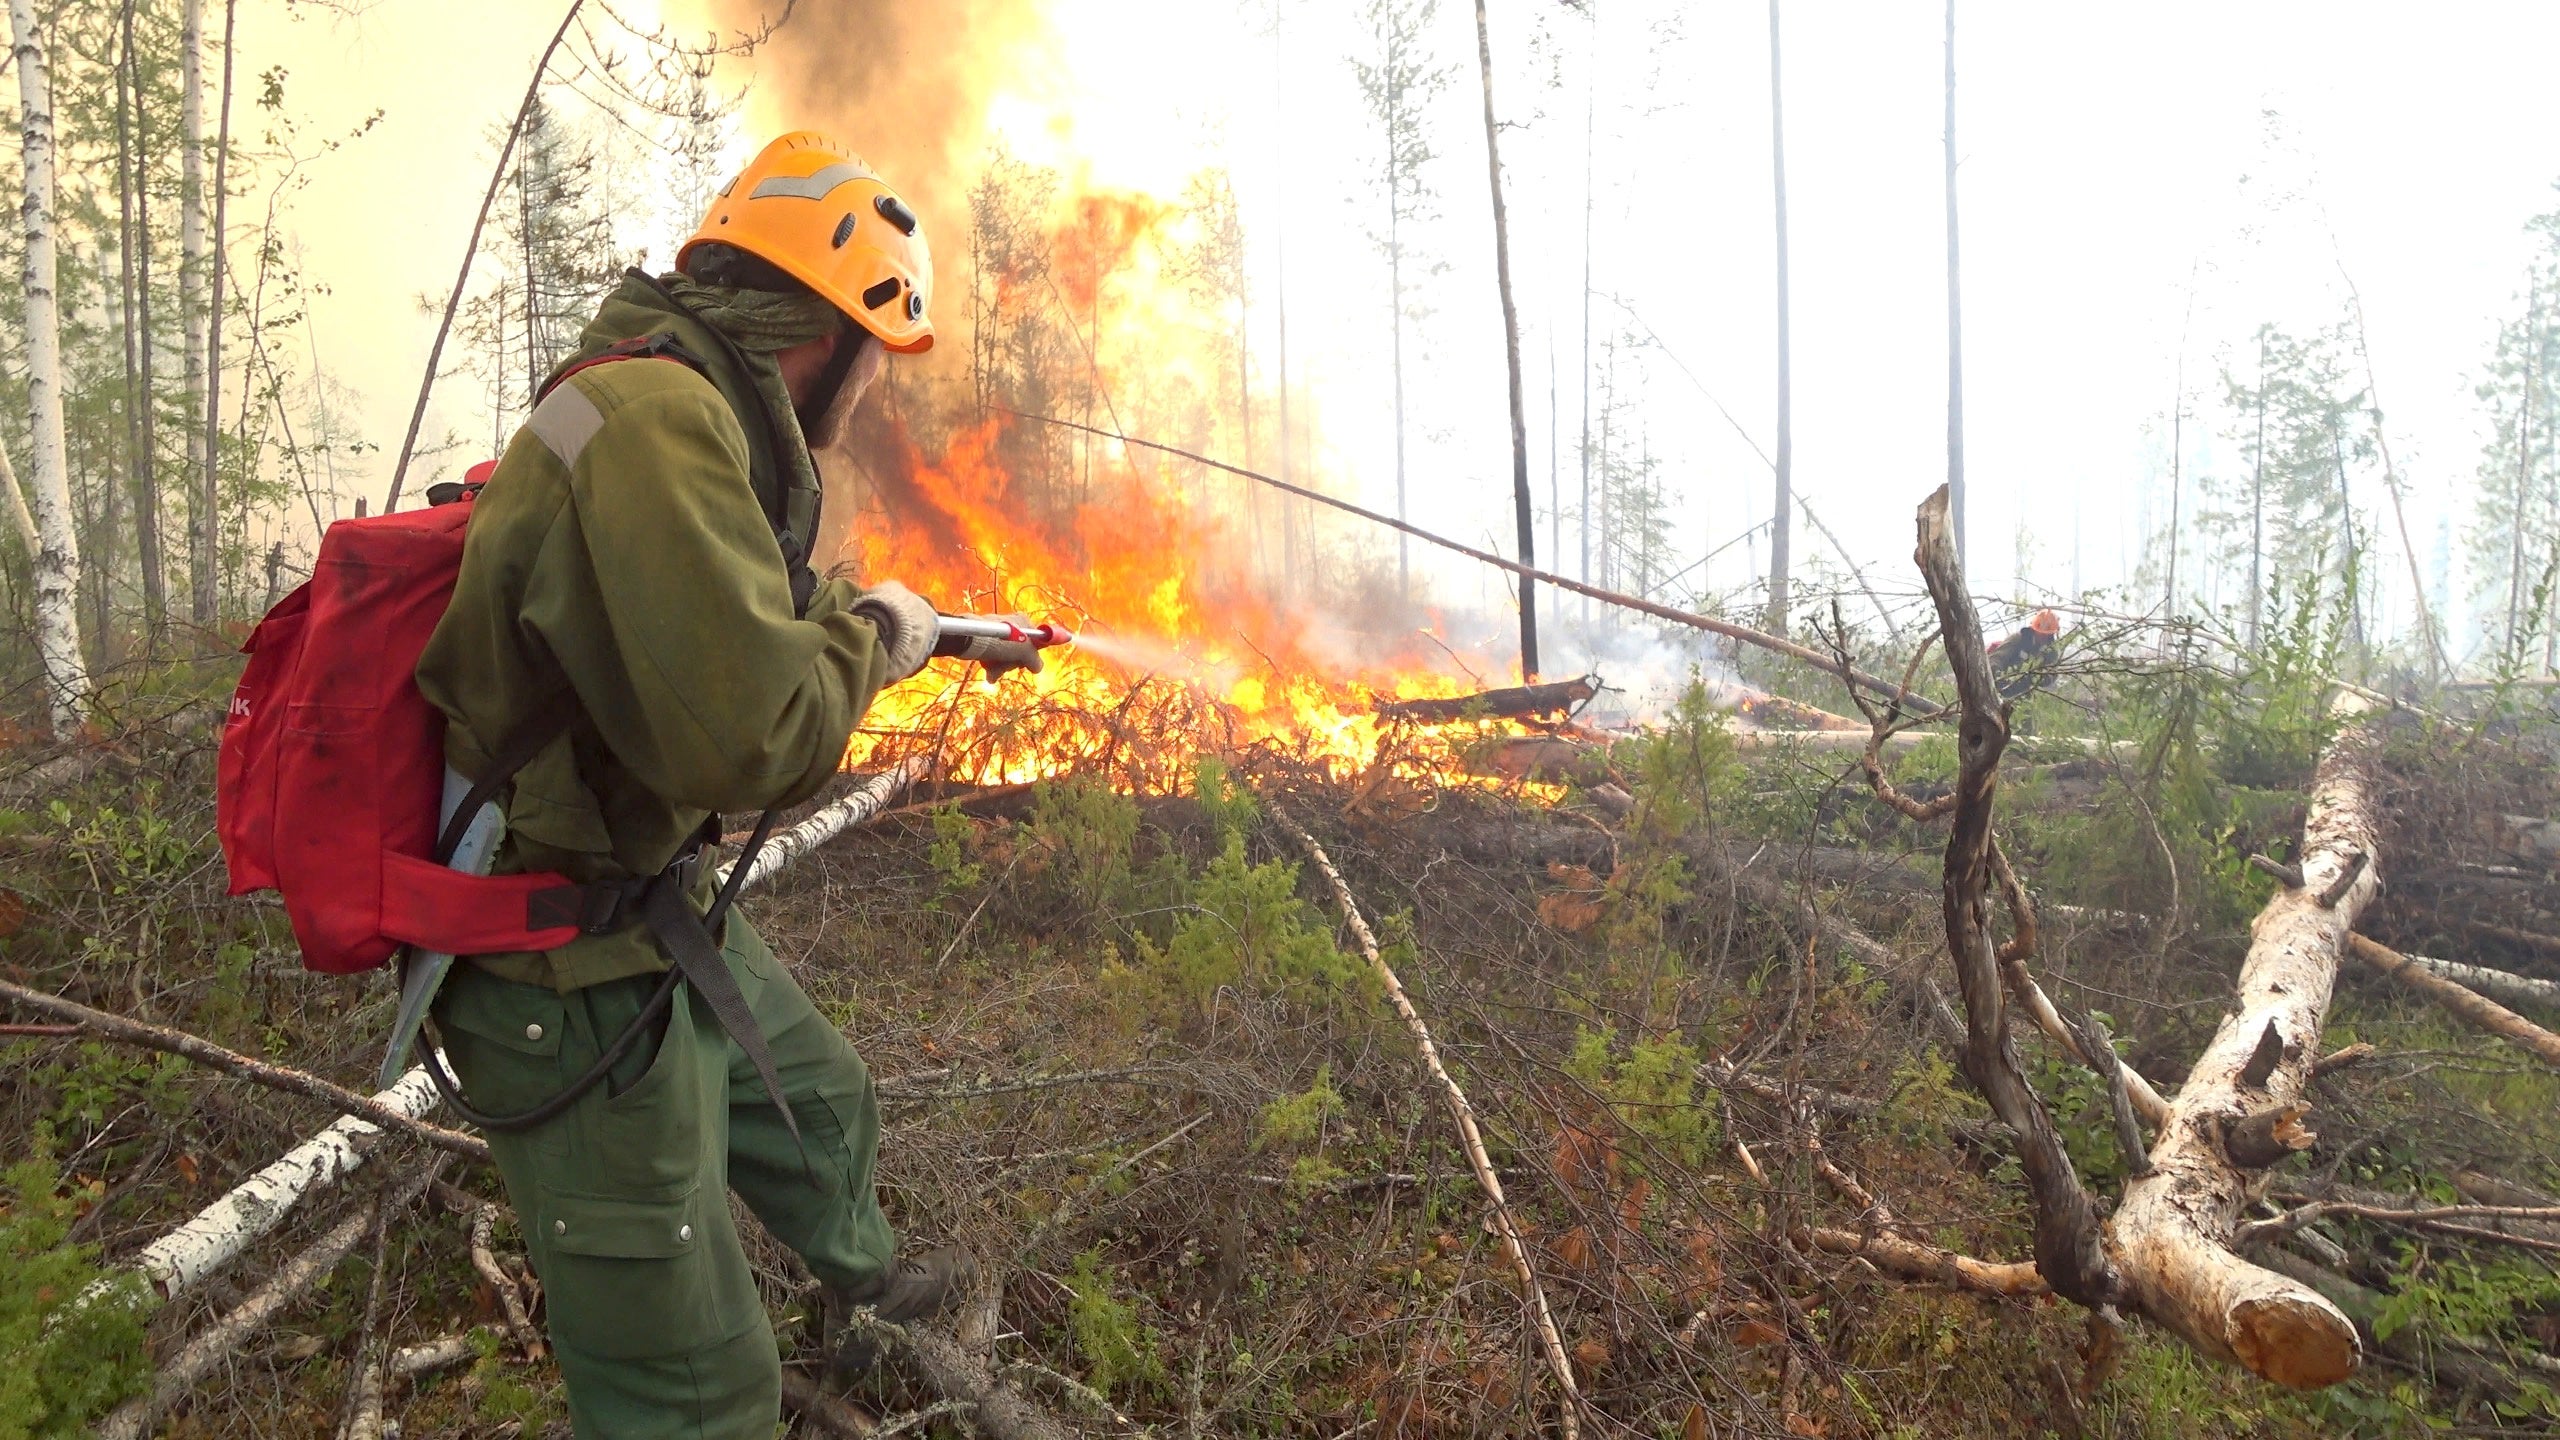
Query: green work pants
{"points": [[624, 1198]]}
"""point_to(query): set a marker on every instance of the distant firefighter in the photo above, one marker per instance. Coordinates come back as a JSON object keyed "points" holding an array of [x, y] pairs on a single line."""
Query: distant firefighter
{"points": [[2022, 663]]}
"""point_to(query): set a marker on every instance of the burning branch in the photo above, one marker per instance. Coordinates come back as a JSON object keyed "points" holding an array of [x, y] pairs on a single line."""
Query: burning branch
{"points": [[1512, 703]]}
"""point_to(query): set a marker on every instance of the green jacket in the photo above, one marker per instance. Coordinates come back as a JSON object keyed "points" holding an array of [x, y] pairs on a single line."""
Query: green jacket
{"points": [[621, 546]]}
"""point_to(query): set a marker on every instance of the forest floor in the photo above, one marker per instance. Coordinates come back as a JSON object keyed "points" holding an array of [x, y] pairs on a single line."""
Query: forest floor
{"points": [[1131, 1057]]}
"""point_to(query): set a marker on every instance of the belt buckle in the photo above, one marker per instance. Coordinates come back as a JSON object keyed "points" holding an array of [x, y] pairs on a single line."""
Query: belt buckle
{"points": [[686, 870]]}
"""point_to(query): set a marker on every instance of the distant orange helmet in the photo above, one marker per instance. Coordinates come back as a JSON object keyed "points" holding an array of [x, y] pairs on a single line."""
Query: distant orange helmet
{"points": [[813, 209], [2046, 623]]}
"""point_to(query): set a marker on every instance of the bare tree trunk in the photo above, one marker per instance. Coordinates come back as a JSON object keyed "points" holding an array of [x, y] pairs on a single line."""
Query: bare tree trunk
{"points": [[203, 552], [146, 484], [470, 247], [2174, 1226], [191, 246], [1523, 520], [1590, 112], [2258, 504], [1780, 527], [1955, 313], [2069, 1251], [2524, 478], [1395, 287], [57, 558], [128, 312], [2436, 666]]}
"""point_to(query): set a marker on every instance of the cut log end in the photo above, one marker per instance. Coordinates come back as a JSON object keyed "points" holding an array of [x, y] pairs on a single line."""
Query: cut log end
{"points": [[2296, 1340]]}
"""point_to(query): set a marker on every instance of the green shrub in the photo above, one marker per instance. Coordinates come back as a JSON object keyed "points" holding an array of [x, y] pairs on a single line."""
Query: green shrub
{"points": [[72, 1331], [1118, 1350], [1245, 923], [1649, 1093]]}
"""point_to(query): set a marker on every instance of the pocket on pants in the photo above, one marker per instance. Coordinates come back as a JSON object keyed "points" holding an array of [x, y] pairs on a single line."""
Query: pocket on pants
{"points": [[503, 1038], [648, 1143], [627, 1279]]}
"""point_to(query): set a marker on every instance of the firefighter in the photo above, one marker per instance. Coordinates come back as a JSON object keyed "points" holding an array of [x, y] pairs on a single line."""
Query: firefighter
{"points": [[637, 556], [2022, 663]]}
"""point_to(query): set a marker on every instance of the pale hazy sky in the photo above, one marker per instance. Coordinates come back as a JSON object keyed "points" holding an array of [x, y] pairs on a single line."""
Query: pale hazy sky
{"points": [[2115, 160]]}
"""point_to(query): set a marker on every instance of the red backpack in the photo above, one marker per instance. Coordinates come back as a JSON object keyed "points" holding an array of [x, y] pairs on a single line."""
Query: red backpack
{"points": [[332, 762]]}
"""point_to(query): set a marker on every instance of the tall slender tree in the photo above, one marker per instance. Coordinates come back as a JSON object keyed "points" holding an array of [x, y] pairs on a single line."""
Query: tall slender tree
{"points": [[146, 484], [1523, 519], [203, 557], [1590, 117], [2258, 502], [1955, 314], [1780, 526], [57, 559], [191, 256], [1400, 86]]}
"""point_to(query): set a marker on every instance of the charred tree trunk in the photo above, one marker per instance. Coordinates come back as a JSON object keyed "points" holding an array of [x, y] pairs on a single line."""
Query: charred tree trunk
{"points": [[1523, 519], [2174, 1227]]}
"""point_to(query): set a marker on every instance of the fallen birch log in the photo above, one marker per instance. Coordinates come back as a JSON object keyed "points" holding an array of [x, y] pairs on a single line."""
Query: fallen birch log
{"points": [[2174, 1228], [856, 807], [215, 1237], [2473, 1008], [2504, 986], [1568, 1414], [220, 1342], [255, 1207]]}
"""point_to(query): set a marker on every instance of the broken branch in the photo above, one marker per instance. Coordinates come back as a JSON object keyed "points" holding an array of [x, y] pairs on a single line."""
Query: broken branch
{"points": [[2069, 1252], [232, 1062], [1461, 1111], [2477, 1010]]}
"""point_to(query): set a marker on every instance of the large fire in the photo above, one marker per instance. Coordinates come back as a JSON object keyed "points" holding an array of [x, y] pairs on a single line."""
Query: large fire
{"points": [[1181, 651]]}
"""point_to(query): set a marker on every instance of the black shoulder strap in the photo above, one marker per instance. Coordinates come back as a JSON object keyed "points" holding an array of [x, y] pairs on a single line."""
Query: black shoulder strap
{"points": [[548, 720]]}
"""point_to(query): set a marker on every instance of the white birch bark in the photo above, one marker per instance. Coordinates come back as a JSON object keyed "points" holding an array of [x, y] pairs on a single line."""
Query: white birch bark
{"points": [[2173, 1231], [256, 1206], [57, 558], [19, 519], [2500, 985], [856, 808]]}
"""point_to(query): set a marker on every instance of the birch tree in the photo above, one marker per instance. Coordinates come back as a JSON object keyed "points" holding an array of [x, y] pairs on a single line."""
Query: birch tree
{"points": [[57, 558]]}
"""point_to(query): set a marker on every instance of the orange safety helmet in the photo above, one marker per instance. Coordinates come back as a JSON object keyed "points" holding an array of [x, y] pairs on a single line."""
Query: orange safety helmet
{"points": [[812, 208], [2046, 623]]}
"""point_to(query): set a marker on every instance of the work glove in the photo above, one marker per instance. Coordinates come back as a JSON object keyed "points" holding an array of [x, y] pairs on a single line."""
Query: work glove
{"points": [[909, 628], [1000, 657]]}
